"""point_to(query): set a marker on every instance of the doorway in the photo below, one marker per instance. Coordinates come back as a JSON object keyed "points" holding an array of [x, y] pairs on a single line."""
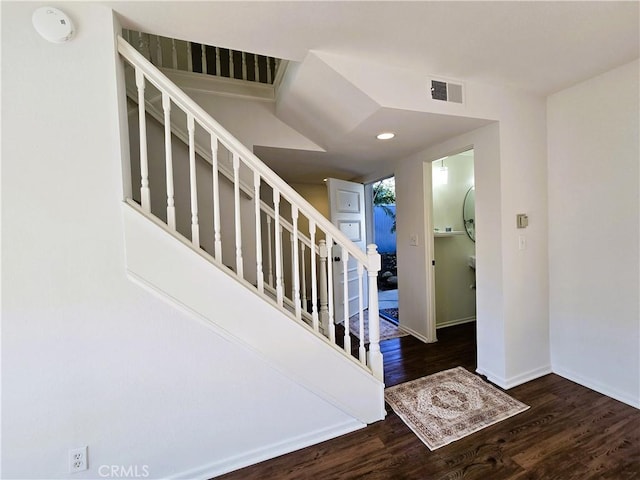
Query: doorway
{"points": [[453, 217], [383, 234]]}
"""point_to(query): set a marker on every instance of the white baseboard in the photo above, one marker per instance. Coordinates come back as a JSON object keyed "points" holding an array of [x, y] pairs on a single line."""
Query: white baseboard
{"points": [[507, 383], [220, 467], [458, 321], [595, 385], [413, 333]]}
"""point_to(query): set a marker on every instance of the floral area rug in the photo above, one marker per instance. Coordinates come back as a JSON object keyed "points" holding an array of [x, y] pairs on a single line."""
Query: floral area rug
{"points": [[389, 314], [388, 329], [447, 406]]}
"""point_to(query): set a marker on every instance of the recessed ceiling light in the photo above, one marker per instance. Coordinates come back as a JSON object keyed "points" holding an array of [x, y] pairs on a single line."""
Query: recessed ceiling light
{"points": [[385, 136]]}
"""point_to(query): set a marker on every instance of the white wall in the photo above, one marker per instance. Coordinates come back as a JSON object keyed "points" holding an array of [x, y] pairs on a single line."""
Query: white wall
{"points": [[90, 358], [594, 233], [512, 294]]}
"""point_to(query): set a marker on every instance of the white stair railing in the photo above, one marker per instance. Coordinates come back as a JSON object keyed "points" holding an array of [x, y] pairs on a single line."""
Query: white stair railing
{"points": [[267, 219], [209, 60]]}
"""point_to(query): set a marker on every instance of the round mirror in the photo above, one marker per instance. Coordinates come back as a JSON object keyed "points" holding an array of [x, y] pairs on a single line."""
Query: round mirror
{"points": [[469, 213]]}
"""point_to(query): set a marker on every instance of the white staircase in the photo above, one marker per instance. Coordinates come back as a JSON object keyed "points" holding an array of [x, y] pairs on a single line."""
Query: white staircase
{"points": [[216, 231]]}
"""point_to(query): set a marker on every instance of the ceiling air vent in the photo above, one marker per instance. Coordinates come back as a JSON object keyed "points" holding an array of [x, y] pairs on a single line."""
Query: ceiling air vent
{"points": [[446, 91]]}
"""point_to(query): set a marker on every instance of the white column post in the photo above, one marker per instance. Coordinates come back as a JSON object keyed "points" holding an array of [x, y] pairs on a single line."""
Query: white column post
{"points": [[278, 239], [269, 75], [314, 282], [189, 58], [345, 300], [244, 66], [171, 209], [256, 68], [296, 262], [269, 252], [174, 54], [303, 275], [203, 57], [362, 352], [331, 320], [217, 236], [256, 197], [218, 62], [158, 51], [195, 229], [324, 310], [145, 192], [375, 356], [237, 217]]}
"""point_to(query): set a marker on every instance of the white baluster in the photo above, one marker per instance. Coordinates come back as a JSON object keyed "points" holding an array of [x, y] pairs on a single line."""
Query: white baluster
{"points": [[158, 51], [296, 262], [324, 305], [362, 352], [293, 272], [269, 251], [203, 49], [314, 282], [171, 209], [236, 195], [189, 58], [375, 356], [345, 300], [232, 73], [304, 277], [218, 73], [137, 40], [244, 66], [284, 288], [195, 229], [256, 197], [145, 192], [217, 236], [143, 45], [332, 326], [269, 70], [256, 68], [174, 54], [277, 235]]}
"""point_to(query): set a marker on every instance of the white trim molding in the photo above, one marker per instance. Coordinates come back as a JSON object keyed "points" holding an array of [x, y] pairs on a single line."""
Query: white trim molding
{"points": [[599, 387], [227, 465], [514, 381]]}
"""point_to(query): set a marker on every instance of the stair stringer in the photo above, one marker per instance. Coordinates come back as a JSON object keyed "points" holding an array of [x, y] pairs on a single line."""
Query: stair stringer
{"points": [[185, 277]]}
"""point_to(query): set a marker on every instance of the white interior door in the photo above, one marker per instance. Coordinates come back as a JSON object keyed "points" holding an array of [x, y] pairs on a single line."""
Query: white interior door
{"points": [[347, 212]]}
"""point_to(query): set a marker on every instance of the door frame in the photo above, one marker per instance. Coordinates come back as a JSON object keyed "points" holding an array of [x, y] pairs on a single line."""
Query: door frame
{"points": [[429, 236]]}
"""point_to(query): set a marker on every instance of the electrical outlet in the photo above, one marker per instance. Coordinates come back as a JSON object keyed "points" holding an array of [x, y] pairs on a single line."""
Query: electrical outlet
{"points": [[78, 459]]}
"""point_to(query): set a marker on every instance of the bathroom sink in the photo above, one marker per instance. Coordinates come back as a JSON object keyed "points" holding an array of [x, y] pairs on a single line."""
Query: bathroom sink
{"points": [[472, 261]]}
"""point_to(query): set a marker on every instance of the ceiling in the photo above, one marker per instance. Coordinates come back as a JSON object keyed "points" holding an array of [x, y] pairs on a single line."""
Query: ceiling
{"points": [[538, 47]]}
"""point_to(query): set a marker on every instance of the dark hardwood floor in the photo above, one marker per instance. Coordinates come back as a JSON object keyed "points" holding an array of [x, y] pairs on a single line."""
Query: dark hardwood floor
{"points": [[570, 432]]}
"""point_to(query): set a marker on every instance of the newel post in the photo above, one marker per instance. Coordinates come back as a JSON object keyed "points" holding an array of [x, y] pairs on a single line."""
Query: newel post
{"points": [[324, 308], [375, 356]]}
